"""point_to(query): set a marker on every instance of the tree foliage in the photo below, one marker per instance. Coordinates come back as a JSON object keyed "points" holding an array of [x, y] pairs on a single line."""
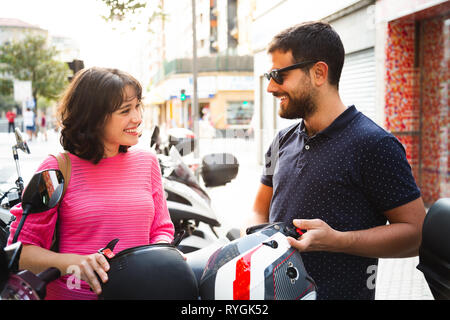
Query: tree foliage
{"points": [[6, 95], [119, 9], [33, 60], [127, 10], [6, 87]]}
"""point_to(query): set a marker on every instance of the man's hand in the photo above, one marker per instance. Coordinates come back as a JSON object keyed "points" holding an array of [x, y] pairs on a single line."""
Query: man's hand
{"points": [[319, 236], [400, 238]]}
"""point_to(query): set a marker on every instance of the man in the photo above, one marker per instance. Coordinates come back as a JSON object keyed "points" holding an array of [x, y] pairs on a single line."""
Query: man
{"points": [[11, 116], [335, 174]]}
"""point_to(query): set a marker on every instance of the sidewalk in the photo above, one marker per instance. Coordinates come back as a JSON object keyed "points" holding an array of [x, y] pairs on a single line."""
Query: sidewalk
{"points": [[398, 279]]}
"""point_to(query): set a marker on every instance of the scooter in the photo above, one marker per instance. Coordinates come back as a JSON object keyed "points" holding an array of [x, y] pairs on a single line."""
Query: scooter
{"points": [[13, 196], [188, 203], [42, 193]]}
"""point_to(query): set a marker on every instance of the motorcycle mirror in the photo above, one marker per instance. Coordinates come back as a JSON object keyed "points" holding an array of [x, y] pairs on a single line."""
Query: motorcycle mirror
{"points": [[4, 272], [21, 144], [155, 136], [12, 255], [42, 193]]}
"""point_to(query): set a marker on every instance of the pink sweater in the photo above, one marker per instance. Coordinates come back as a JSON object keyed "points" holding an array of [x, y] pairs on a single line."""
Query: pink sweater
{"points": [[120, 197]]}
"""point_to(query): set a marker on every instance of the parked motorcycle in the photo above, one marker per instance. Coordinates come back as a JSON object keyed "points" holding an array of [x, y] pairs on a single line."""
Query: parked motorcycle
{"points": [[13, 196], [43, 192], [188, 203]]}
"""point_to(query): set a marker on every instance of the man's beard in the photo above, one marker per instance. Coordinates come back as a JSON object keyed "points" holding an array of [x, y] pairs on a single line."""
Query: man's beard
{"points": [[298, 107]]}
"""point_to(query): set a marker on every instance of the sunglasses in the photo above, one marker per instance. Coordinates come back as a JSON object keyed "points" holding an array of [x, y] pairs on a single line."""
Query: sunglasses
{"points": [[275, 74]]}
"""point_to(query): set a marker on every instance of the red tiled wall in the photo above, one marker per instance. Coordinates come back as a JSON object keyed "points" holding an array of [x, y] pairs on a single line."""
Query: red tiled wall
{"points": [[402, 99], [424, 133], [435, 120]]}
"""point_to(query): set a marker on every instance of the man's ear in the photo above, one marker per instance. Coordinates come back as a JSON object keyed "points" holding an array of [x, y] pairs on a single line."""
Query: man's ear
{"points": [[319, 73]]}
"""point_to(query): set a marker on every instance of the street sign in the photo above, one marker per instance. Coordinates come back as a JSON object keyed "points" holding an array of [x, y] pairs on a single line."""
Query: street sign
{"points": [[22, 90]]}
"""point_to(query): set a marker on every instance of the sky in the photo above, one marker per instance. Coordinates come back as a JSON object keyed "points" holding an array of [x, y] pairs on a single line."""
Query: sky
{"points": [[81, 20]]}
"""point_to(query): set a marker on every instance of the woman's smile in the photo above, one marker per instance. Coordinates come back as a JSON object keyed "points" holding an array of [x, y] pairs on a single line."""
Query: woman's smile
{"points": [[132, 131]]}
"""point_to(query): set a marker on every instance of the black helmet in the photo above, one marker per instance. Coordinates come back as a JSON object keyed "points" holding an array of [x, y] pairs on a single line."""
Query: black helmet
{"points": [[261, 266], [434, 251], [150, 272]]}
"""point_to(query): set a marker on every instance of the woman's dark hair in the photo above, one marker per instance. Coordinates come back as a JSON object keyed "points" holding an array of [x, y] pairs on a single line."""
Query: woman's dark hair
{"points": [[92, 96], [313, 41]]}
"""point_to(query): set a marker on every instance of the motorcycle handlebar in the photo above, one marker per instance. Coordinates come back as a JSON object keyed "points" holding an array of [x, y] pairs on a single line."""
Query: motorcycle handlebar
{"points": [[254, 228], [49, 275]]}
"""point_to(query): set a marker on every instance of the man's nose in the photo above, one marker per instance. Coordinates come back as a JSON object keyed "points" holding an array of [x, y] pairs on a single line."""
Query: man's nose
{"points": [[272, 86]]}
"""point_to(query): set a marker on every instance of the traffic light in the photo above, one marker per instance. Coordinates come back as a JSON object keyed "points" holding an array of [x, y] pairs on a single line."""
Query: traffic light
{"points": [[182, 95], [75, 66]]}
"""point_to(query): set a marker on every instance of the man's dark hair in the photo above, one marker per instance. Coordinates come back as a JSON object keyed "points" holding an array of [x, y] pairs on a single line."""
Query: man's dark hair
{"points": [[313, 41], [92, 96]]}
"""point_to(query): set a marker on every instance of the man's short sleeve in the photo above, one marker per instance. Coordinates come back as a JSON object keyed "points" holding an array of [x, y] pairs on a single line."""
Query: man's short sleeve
{"points": [[387, 178]]}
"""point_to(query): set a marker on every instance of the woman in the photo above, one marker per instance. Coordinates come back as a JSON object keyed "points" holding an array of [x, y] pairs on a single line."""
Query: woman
{"points": [[28, 122], [113, 192]]}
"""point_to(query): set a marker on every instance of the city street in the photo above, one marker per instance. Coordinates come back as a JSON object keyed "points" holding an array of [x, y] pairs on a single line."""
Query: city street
{"points": [[397, 279], [236, 67]]}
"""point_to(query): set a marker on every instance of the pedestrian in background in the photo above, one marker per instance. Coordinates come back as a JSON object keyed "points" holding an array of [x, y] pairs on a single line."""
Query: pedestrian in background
{"points": [[37, 126], [335, 174], [28, 122], [43, 126], [114, 191], [11, 116]]}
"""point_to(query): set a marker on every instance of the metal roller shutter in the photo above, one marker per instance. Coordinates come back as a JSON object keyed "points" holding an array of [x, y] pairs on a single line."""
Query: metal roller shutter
{"points": [[357, 85]]}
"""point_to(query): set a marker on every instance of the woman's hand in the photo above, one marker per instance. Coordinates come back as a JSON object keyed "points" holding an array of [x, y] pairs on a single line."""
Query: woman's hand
{"points": [[90, 267]]}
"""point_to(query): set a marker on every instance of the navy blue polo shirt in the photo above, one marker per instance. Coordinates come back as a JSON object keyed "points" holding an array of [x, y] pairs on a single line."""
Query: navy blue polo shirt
{"points": [[347, 175]]}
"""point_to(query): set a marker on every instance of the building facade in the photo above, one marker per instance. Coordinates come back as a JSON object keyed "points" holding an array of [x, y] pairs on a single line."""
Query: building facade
{"points": [[414, 86], [16, 30], [224, 65], [68, 49]]}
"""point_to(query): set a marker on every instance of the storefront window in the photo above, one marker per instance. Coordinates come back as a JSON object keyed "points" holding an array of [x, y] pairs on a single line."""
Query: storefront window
{"points": [[239, 112]]}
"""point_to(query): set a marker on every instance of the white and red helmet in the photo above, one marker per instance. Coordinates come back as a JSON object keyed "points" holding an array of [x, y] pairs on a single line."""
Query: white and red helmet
{"points": [[259, 266]]}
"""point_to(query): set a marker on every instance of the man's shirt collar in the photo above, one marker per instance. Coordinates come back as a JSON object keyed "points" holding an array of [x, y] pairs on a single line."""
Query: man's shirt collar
{"points": [[336, 126]]}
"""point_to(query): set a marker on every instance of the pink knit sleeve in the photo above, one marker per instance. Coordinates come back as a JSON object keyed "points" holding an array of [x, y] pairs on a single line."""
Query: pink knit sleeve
{"points": [[162, 228], [38, 227]]}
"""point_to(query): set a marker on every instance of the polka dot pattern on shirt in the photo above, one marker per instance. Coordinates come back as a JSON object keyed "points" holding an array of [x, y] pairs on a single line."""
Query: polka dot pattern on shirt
{"points": [[349, 174]]}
